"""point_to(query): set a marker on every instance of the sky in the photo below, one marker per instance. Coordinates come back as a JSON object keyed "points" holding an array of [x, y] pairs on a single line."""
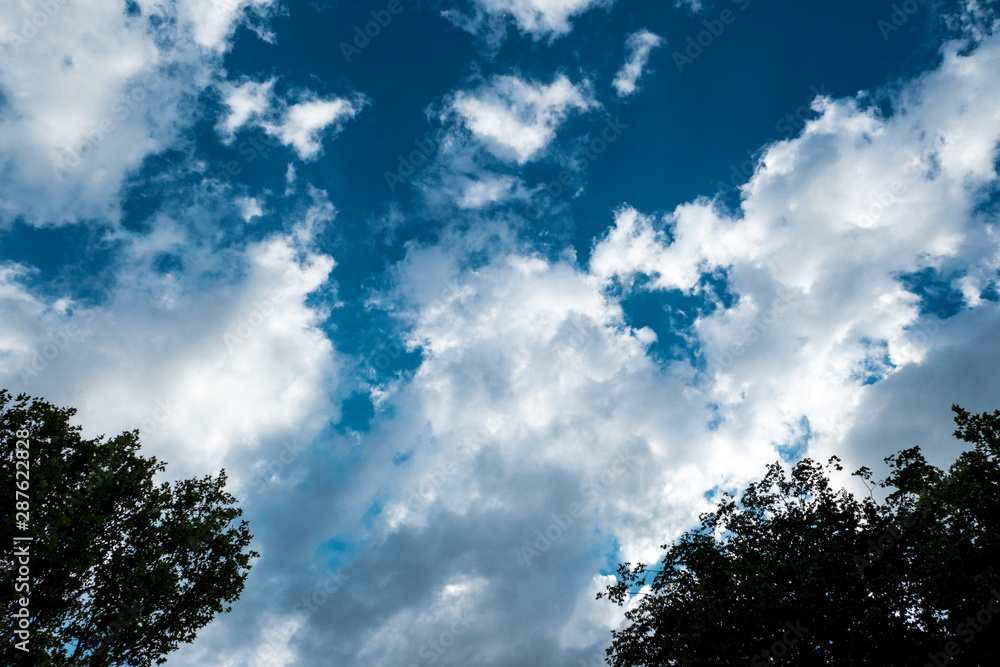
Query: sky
{"points": [[475, 299]]}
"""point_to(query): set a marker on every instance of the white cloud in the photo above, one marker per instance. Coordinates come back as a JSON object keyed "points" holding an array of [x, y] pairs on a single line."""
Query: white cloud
{"points": [[247, 101], [827, 224], [208, 369], [213, 22], [531, 381], [531, 386], [483, 192], [304, 122], [538, 18], [517, 119], [250, 208], [90, 91], [299, 125], [640, 44]]}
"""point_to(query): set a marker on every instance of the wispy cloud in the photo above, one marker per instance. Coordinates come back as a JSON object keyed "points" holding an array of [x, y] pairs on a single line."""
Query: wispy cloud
{"points": [[640, 45]]}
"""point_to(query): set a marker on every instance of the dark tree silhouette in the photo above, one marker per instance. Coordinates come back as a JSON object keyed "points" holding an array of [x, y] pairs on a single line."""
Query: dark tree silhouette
{"points": [[797, 574], [120, 570]]}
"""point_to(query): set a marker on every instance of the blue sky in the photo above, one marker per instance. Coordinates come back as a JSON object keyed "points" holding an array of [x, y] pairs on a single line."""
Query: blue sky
{"points": [[477, 305]]}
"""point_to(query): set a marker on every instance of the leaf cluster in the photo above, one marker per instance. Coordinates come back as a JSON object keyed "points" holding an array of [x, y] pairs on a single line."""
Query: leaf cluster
{"points": [[122, 570], [793, 551]]}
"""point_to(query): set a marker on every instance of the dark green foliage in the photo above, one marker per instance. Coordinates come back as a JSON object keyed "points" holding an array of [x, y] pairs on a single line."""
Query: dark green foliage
{"points": [[885, 584], [122, 570]]}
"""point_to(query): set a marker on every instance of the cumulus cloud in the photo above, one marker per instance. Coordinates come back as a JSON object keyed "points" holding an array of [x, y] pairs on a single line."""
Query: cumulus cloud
{"points": [[537, 440], [829, 225], [639, 44], [299, 125], [207, 368], [534, 404], [90, 90], [516, 119]]}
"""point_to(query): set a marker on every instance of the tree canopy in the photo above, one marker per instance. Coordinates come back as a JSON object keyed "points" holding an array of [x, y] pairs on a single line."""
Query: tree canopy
{"points": [[794, 573], [120, 570]]}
